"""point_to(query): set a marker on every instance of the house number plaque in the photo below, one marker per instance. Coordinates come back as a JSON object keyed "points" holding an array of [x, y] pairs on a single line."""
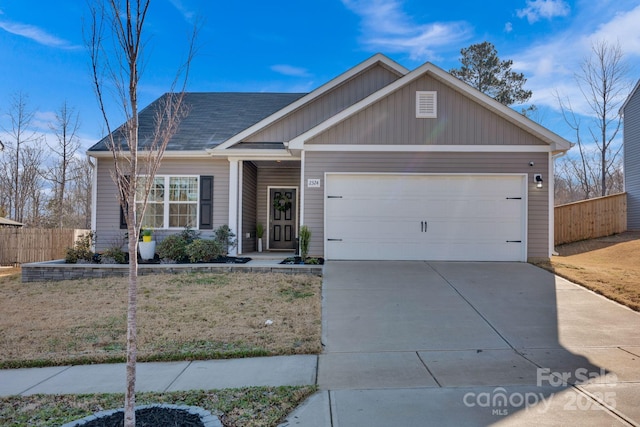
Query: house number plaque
{"points": [[313, 183]]}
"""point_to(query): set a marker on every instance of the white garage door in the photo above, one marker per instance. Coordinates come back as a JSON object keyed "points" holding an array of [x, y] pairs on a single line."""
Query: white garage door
{"points": [[425, 217]]}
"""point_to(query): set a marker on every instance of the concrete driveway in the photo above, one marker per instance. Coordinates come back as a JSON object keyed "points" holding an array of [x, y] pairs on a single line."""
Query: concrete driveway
{"points": [[438, 343]]}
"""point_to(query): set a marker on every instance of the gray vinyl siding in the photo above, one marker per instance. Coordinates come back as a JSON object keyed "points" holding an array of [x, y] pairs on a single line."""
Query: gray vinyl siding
{"points": [[632, 159], [249, 206], [392, 120], [317, 163], [108, 210], [274, 177], [327, 105]]}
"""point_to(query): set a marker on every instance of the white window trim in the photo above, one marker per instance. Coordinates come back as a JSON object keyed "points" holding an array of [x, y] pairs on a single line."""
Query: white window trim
{"points": [[166, 202]]}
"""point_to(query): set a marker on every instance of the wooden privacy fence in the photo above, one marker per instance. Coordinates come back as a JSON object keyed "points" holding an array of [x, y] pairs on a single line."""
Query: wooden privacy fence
{"points": [[23, 245], [591, 218]]}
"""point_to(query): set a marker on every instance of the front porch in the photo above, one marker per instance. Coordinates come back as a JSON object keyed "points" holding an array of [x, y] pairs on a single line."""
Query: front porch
{"points": [[265, 192]]}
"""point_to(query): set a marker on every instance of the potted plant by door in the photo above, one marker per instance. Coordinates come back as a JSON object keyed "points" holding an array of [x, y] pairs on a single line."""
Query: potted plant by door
{"points": [[259, 233], [147, 247]]}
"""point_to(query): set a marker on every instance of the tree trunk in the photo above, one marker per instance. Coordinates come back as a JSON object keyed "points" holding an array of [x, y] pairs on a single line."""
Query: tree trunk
{"points": [[132, 330]]}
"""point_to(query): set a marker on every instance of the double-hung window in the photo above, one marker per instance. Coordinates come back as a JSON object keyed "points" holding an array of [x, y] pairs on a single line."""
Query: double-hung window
{"points": [[172, 203]]}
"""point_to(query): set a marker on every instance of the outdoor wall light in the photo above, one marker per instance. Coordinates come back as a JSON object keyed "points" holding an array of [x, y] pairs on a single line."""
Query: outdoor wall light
{"points": [[537, 178]]}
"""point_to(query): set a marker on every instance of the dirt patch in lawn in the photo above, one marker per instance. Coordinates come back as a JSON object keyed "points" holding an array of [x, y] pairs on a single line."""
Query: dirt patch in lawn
{"points": [[9, 271], [608, 265], [180, 317]]}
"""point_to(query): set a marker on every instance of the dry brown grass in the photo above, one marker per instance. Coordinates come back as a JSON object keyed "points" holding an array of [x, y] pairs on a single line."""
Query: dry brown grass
{"points": [[609, 266], [185, 316], [9, 271]]}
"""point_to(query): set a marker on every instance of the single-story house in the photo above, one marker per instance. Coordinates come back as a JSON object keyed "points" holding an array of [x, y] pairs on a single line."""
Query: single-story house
{"points": [[631, 164], [381, 163], [6, 222]]}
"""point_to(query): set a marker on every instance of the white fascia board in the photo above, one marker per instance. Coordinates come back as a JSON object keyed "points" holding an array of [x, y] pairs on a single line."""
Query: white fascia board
{"points": [[166, 155], [253, 154], [377, 58], [631, 94], [556, 142], [430, 148]]}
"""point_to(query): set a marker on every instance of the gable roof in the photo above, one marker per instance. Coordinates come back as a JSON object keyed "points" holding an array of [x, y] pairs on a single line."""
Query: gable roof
{"points": [[9, 222], [558, 143], [377, 59], [631, 95], [213, 118]]}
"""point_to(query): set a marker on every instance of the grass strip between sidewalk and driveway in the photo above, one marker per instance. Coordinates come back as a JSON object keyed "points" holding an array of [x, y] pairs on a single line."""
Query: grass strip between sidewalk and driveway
{"points": [[187, 316], [247, 407]]}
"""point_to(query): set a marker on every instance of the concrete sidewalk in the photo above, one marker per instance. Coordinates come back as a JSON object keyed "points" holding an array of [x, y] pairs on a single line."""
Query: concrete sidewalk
{"points": [[162, 376]]}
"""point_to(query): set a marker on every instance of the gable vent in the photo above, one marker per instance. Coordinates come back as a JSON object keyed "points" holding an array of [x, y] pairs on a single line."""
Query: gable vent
{"points": [[426, 104]]}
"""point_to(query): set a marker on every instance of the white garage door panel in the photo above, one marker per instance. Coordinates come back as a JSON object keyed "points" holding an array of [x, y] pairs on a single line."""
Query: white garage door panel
{"points": [[413, 217]]}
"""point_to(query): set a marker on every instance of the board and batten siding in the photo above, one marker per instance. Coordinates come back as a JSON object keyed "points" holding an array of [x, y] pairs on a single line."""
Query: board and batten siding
{"points": [[327, 105], [107, 225], [317, 163], [281, 177], [392, 120], [632, 159]]}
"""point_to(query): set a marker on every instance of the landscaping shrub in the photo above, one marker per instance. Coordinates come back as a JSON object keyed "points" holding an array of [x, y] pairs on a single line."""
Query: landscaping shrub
{"points": [[305, 239], [81, 250], [225, 238], [114, 256], [202, 250], [173, 247], [189, 234]]}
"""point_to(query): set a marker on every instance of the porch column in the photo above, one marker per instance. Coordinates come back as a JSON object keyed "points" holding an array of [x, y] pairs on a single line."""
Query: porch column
{"points": [[93, 161], [234, 182]]}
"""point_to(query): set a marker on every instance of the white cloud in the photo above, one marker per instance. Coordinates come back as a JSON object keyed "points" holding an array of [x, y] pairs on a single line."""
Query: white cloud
{"points": [[508, 27], [547, 9], [188, 14], [43, 119], [34, 33], [386, 27], [623, 28], [551, 66], [289, 70]]}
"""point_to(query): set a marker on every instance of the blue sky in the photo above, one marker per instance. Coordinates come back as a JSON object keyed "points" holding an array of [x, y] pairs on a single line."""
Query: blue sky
{"points": [[295, 46]]}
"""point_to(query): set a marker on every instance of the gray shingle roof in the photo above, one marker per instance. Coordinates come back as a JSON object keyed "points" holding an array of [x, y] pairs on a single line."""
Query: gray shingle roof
{"points": [[213, 118]]}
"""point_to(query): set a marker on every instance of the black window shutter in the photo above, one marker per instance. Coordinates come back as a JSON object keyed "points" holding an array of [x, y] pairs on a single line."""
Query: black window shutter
{"points": [[123, 219], [206, 202]]}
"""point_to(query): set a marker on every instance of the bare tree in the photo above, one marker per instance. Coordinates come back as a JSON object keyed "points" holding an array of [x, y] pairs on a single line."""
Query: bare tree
{"points": [[604, 84], [21, 159], [65, 129], [79, 195], [134, 166]]}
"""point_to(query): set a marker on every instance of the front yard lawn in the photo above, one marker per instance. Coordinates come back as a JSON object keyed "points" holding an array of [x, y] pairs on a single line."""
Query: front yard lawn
{"points": [[248, 407], [608, 265], [180, 317]]}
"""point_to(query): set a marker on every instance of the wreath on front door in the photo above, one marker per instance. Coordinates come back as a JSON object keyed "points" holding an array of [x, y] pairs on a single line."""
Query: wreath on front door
{"points": [[281, 203]]}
